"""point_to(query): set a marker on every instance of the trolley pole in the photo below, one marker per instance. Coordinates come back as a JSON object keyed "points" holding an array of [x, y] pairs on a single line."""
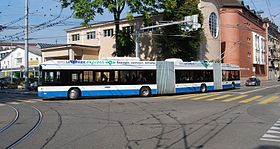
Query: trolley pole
{"points": [[26, 80]]}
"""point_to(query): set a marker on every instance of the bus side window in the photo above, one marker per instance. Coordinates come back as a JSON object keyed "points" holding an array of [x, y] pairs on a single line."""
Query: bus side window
{"points": [[142, 78], [133, 78], [74, 78], [104, 78], [97, 77]]}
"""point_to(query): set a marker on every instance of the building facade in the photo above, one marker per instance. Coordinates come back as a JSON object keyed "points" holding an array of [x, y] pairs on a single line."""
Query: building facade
{"points": [[69, 52], [210, 47], [7, 47], [103, 35], [243, 40], [273, 43], [12, 65]]}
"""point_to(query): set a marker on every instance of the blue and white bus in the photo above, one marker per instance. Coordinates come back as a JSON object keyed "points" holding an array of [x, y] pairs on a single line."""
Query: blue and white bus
{"points": [[91, 78]]}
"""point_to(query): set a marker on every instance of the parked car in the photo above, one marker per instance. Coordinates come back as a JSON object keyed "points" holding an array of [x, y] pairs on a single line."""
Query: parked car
{"points": [[4, 82], [253, 81], [279, 78], [7, 82]]}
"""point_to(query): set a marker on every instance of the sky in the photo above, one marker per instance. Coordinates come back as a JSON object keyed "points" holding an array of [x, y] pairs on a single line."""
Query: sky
{"points": [[48, 21]]}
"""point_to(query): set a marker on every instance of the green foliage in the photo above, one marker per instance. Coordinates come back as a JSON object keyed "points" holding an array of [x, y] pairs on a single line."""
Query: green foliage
{"points": [[88, 9], [126, 44], [175, 42]]}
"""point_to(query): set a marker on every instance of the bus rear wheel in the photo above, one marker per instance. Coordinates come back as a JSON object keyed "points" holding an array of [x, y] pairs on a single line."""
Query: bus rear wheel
{"points": [[73, 94], [145, 92], [203, 88]]}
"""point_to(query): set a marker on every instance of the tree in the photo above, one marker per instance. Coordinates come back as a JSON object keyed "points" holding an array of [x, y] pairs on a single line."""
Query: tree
{"points": [[88, 9], [125, 43], [175, 42]]}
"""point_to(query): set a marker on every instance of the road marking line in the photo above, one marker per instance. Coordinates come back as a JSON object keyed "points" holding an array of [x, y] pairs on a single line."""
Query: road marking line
{"points": [[260, 89], [273, 131], [186, 96], [234, 98], [29, 101], [14, 103], [270, 136], [174, 96], [275, 128], [205, 96], [220, 97], [268, 100], [273, 140], [276, 124], [190, 96], [250, 99]]}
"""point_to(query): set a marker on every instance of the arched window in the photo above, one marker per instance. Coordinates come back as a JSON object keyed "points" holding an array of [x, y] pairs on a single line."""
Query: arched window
{"points": [[213, 24]]}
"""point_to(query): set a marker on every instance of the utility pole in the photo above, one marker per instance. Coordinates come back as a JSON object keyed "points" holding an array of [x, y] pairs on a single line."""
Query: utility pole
{"points": [[26, 80]]}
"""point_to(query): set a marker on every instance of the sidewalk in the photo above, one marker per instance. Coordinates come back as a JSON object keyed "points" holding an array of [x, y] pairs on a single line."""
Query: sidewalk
{"points": [[18, 91]]}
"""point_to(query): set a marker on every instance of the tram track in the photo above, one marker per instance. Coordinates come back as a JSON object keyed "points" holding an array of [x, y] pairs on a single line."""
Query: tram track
{"points": [[4, 128], [29, 132], [13, 138]]}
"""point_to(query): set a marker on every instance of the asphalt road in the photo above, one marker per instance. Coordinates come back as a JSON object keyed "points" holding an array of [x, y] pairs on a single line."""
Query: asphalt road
{"points": [[246, 118]]}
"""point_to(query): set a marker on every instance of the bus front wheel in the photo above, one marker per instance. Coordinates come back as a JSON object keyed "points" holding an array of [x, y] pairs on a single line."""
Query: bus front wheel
{"points": [[145, 92], [203, 88], [73, 94]]}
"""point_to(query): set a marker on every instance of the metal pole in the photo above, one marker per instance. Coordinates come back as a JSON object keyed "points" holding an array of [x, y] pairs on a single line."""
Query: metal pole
{"points": [[137, 44], [11, 68], [26, 81], [137, 31]]}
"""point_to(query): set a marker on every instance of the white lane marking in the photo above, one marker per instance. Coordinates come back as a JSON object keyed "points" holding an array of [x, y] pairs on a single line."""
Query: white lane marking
{"points": [[273, 134], [275, 128], [273, 140], [14, 103], [29, 101], [259, 89], [276, 124], [273, 131], [270, 136]]}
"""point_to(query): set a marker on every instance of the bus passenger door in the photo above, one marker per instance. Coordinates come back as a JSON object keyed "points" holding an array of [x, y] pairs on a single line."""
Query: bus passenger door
{"points": [[217, 73]]}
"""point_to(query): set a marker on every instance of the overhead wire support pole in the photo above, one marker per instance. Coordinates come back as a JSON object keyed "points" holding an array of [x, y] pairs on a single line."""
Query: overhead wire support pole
{"points": [[26, 80]]}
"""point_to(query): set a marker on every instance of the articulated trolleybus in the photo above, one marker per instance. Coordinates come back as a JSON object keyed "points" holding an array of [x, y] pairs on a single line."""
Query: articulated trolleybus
{"points": [[91, 78]]}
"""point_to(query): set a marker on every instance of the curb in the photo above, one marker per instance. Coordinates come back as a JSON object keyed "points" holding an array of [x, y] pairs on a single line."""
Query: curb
{"points": [[18, 92]]}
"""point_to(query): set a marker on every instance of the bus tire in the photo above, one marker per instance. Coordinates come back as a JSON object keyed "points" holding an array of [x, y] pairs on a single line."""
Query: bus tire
{"points": [[233, 85], [73, 94], [145, 91], [203, 88]]}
